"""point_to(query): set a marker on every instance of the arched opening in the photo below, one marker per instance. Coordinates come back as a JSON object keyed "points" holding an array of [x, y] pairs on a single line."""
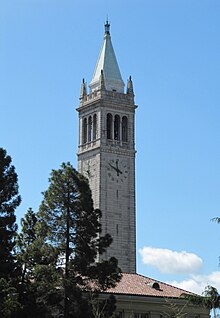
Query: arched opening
{"points": [[124, 129], [109, 126], [90, 129], [117, 128], [94, 137], [84, 130]]}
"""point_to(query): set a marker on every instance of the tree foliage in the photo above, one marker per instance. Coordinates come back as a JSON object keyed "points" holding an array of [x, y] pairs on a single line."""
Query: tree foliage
{"points": [[216, 219], [210, 299], [9, 200], [39, 275], [175, 310], [72, 226], [9, 304], [59, 248]]}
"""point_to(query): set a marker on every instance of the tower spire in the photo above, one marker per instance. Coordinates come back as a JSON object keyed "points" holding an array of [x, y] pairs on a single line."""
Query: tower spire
{"points": [[108, 63]]}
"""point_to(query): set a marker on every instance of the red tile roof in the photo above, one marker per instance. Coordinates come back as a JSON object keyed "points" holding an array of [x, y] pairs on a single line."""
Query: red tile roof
{"points": [[135, 284]]}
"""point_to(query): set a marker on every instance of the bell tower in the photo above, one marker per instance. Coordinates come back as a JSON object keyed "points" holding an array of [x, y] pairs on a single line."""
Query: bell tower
{"points": [[106, 152]]}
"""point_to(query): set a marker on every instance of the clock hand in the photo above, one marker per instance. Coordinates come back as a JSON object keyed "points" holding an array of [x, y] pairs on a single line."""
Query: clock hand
{"points": [[113, 167], [118, 170]]}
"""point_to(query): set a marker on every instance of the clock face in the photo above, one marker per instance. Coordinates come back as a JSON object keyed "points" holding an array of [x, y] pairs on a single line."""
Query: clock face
{"points": [[117, 170]]}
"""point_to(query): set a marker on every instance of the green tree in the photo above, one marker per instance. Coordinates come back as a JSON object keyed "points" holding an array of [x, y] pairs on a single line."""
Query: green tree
{"points": [[9, 304], [25, 241], [71, 224], [39, 275], [102, 308], [174, 309], [9, 201], [210, 299], [216, 219]]}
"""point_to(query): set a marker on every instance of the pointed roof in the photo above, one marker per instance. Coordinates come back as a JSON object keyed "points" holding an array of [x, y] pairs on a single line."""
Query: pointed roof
{"points": [[108, 63]]}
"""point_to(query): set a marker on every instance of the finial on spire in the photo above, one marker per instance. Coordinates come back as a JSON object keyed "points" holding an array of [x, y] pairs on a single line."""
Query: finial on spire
{"points": [[107, 27]]}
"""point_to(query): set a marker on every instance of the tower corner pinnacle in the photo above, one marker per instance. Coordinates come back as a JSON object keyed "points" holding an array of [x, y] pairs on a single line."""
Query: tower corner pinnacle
{"points": [[130, 89], [83, 91]]}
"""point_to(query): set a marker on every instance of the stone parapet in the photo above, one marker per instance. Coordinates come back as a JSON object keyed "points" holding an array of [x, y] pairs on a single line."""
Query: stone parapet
{"points": [[107, 95]]}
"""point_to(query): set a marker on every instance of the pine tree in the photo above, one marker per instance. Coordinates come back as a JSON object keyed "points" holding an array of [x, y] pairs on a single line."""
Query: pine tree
{"points": [[25, 241], [9, 201], [39, 274], [9, 304], [72, 226]]}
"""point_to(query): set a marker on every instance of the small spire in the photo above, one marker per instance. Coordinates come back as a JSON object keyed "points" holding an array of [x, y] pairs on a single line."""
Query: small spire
{"points": [[130, 89], [107, 27], [102, 81], [83, 91]]}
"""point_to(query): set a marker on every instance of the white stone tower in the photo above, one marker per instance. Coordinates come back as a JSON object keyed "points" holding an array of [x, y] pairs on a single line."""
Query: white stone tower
{"points": [[106, 152]]}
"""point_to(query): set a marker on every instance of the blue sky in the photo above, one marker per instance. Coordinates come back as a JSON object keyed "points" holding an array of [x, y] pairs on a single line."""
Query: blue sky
{"points": [[171, 49]]}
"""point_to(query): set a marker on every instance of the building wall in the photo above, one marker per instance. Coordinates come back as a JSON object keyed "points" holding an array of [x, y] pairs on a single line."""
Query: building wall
{"points": [[130, 306], [109, 165]]}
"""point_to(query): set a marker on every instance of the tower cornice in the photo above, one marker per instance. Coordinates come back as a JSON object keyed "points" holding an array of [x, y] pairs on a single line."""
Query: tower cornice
{"points": [[107, 96]]}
